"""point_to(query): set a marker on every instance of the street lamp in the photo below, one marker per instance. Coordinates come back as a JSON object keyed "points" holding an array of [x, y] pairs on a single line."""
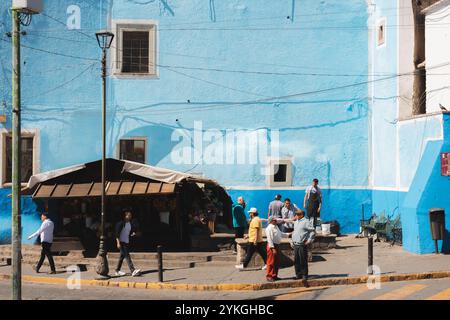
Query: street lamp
{"points": [[104, 39]]}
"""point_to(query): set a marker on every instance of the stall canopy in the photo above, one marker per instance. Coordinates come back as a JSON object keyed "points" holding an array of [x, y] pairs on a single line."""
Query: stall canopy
{"points": [[124, 178]]}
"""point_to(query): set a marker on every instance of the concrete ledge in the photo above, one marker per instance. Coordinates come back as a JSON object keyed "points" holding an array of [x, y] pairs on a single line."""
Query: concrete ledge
{"points": [[236, 286]]}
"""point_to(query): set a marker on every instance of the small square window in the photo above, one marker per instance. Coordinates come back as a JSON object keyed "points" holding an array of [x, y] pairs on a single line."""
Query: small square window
{"points": [[280, 173], [381, 32], [133, 150]]}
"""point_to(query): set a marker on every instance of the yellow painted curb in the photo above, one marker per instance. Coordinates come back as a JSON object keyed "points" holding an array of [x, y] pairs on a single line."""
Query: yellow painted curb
{"points": [[236, 286]]}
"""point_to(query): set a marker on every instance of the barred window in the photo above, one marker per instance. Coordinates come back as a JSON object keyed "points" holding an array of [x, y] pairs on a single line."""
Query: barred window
{"points": [[26, 160], [133, 150], [135, 52]]}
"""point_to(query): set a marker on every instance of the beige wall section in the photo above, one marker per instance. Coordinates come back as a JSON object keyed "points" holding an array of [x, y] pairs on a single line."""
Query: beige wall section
{"points": [[406, 59]]}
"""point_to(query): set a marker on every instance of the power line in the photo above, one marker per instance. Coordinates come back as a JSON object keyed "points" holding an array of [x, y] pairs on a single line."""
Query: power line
{"points": [[65, 83]]}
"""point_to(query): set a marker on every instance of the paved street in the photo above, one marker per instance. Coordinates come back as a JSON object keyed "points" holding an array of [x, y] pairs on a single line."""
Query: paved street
{"points": [[347, 260], [408, 290]]}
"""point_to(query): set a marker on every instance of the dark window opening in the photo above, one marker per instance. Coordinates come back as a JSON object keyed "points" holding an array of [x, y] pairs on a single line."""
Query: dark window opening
{"points": [[26, 160], [280, 173], [132, 150], [135, 57]]}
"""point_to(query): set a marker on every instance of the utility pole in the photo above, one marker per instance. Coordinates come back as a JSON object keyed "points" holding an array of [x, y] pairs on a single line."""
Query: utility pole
{"points": [[16, 237]]}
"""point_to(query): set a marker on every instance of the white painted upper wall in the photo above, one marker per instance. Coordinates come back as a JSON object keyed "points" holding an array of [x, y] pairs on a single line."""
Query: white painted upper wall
{"points": [[437, 37]]}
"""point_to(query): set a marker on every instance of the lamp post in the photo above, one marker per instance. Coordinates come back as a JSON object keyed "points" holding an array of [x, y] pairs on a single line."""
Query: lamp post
{"points": [[104, 39]]}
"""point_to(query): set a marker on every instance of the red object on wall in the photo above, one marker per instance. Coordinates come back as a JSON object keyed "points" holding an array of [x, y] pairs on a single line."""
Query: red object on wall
{"points": [[445, 164]]}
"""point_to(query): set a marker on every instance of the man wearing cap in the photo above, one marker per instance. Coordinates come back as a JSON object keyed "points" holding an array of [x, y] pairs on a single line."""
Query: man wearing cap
{"points": [[46, 234], [302, 236], [275, 207], [255, 240], [274, 236]]}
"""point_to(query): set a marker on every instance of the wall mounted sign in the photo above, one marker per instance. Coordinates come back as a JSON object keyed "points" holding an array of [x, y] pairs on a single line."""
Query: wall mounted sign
{"points": [[445, 164]]}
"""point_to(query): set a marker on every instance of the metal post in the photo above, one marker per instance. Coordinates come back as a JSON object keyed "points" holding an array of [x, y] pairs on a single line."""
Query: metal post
{"points": [[160, 264], [370, 255], [16, 155], [102, 260]]}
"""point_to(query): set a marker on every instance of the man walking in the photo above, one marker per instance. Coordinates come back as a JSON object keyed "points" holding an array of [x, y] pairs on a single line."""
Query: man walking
{"points": [[124, 230], [313, 201], [239, 220], [302, 236], [288, 213], [46, 234], [274, 236], [275, 207], [255, 240]]}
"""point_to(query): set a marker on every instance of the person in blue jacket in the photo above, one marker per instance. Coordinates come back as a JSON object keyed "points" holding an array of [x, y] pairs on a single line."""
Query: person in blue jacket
{"points": [[239, 219]]}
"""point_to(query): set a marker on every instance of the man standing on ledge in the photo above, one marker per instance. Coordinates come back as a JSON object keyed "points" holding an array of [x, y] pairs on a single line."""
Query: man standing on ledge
{"points": [[302, 236], [255, 240], [313, 201], [46, 234]]}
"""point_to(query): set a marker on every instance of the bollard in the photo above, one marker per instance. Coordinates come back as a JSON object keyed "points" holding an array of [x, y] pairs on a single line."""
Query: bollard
{"points": [[370, 255], [160, 264]]}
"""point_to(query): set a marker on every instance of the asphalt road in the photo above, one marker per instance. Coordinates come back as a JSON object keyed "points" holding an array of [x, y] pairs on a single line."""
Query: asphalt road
{"points": [[410, 290]]}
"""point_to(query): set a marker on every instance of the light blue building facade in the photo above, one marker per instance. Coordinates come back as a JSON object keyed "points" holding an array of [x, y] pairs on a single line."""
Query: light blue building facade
{"points": [[233, 88]]}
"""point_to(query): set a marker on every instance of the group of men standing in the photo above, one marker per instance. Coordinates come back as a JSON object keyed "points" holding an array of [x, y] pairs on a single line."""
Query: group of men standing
{"points": [[285, 220]]}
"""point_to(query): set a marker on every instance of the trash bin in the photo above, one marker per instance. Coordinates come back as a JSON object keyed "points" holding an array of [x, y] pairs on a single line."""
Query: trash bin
{"points": [[437, 223]]}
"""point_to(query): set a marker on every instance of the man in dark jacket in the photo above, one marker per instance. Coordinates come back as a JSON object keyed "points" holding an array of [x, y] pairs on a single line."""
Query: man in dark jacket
{"points": [[124, 230], [239, 219]]}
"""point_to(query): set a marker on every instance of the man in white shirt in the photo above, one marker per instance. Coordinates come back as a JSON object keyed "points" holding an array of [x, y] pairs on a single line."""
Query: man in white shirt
{"points": [[46, 234], [124, 230], [274, 236]]}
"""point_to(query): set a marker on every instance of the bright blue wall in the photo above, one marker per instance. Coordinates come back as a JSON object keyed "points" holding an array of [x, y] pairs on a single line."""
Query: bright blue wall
{"points": [[345, 206], [326, 133]]}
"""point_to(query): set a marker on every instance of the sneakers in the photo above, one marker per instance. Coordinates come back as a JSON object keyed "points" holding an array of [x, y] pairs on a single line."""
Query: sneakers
{"points": [[119, 273], [136, 273], [52, 272], [265, 267], [240, 267], [35, 268]]}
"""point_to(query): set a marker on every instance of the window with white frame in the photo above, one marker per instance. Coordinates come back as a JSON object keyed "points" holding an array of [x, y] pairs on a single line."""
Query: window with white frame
{"points": [[133, 149], [280, 172], [134, 50], [381, 32], [28, 159]]}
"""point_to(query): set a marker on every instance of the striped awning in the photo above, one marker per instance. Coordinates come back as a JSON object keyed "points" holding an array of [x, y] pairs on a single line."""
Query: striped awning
{"points": [[121, 188]]}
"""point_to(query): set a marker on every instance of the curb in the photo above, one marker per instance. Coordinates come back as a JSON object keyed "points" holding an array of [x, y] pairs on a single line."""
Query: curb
{"points": [[237, 286]]}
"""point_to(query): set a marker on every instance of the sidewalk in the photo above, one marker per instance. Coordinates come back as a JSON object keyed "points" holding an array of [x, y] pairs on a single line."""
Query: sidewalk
{"points": [[348, 260]]}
